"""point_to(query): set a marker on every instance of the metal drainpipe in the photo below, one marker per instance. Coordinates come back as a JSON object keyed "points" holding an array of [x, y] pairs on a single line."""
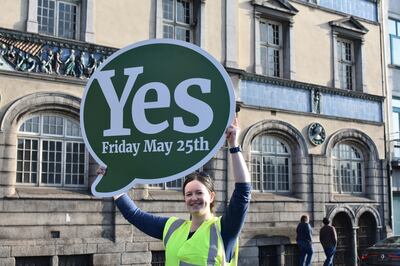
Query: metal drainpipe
{"points": [[387, 94], [312, 191]]}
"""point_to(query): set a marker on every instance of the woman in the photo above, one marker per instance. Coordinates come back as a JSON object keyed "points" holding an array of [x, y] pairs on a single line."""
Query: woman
{"points": [[204, 239]]}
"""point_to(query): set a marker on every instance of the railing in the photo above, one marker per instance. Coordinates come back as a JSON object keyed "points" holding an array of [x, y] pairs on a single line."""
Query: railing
{"points": [[27, 52]]}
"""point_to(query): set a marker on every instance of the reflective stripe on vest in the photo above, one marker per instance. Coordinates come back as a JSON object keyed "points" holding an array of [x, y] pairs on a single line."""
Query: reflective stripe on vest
{"points": [[213, 244], [213, 247], [175, 225]]}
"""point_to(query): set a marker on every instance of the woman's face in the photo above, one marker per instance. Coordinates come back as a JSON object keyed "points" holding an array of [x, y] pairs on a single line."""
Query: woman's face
{"points": [[198, 198]]}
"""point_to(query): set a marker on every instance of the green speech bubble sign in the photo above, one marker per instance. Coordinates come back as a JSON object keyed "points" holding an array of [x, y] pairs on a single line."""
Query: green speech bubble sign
{"points": [[154, 112]]}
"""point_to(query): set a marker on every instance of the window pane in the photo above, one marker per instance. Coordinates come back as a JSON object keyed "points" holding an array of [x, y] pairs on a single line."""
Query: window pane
{"points": [[26, 161], [346, 64], [392, 27], [50, 159], [256, 172], [168, 9], [158, 258], [283, 174], [177, 15], [75, 166], [67, 20], [168, 31], [264, 64], [275, 38], [75, 260], [263, 32], [183, 11], [176, 184], [183, 34], [269, 173], [270, 48], [73, 129], [347, 169], [30, 125], [273, 171], [45, 16], [395, 50], [396, 126], [58, 164]]}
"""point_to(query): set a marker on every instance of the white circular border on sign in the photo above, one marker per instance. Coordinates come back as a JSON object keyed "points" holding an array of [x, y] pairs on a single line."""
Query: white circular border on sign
{"points": [[181, 174]]}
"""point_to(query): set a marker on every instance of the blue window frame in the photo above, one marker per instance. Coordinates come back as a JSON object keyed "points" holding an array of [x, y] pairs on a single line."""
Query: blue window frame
{"points": [[395, 134], [366, 9], [394, 34]]}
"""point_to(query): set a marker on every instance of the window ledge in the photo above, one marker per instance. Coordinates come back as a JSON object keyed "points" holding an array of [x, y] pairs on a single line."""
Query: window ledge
{"points": [[396, 188], [272, 197], [51, 193], [350, 198], [166, 195], [394, 66]]}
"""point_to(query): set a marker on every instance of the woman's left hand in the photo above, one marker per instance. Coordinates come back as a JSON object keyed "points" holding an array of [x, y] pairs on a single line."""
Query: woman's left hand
{"points": [[232, 133]]}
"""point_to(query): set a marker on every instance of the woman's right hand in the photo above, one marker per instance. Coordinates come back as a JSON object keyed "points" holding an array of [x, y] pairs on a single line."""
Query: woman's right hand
{"points": [[103, 171]]}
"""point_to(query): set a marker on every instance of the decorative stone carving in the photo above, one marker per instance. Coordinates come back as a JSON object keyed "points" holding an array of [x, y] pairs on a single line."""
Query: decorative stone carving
{"points": [[70, 64], [316, 102], [26, 63], [91, 65], [57, 61], [50, 57]]}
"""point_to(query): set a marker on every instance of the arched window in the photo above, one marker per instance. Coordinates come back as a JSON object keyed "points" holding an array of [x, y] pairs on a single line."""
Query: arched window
{"points": [[51, 152], [270, 164], [348, 168]]}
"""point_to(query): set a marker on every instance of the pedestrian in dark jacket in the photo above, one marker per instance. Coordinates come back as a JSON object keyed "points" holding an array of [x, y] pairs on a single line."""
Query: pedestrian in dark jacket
{"points": [[304, 241], [328, 239]]}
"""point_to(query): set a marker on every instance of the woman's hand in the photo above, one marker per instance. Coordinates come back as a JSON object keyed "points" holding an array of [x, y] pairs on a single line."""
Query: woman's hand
{"points": [[103, 171], [232, 133]]}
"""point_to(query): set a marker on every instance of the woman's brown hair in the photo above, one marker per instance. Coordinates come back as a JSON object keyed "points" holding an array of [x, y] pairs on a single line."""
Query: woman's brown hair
{"points": [[203, 178]]}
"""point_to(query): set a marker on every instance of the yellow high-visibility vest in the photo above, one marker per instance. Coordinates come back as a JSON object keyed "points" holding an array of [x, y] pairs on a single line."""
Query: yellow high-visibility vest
{"points": [[204, 248]]}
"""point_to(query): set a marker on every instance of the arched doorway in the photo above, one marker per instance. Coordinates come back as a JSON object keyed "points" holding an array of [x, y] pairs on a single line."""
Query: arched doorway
{"points": [[366, 232], [344, 250]]}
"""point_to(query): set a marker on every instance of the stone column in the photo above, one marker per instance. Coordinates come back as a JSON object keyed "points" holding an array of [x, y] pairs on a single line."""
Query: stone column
{"points": [[32, 22], [378, 234], [202, 30], [9, 162], [257, 54], [231, 34], [336, 80], [292, 66], [54, 260], [354, 245], [159, 19], [362, 59], [89, 30], [281, 255]]}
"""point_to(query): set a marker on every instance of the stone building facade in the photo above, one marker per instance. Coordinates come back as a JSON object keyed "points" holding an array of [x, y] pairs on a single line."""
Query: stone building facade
{"points": [[310, 84]]}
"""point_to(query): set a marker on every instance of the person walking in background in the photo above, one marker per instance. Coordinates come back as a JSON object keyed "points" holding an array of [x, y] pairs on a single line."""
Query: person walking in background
{"points": [[328, 239], [304, 241]]}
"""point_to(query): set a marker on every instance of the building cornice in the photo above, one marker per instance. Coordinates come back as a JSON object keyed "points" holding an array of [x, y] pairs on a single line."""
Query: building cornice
{"points": [[303, 85]]}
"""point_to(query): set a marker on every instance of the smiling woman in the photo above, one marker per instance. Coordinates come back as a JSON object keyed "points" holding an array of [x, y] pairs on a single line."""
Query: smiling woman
{"points": [[199, 193], [204, 239]]}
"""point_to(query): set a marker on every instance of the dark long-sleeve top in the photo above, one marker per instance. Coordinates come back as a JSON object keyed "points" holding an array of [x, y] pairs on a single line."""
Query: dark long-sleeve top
{"points": [[327, 236], [304, 232], [231, 221]]}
